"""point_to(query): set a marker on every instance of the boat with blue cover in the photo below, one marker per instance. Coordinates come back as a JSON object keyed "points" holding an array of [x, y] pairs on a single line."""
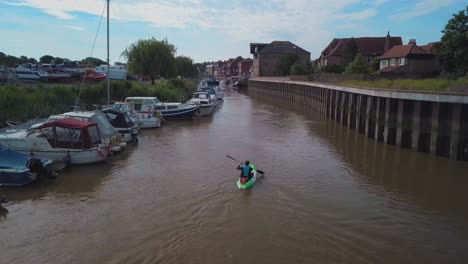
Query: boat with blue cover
{"points": [[18, 169]]}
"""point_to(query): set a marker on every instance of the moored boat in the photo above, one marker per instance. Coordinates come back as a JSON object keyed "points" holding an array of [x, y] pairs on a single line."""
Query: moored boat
{"points": [[17, 169], [69, 140], [109, 134], [168, 110], [144, 120], [121, 121], [205, 103]]}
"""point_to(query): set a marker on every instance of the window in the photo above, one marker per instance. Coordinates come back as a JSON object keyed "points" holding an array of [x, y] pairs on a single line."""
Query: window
{"points": [[383, 64], [402, 61], [94, 134], [392, 62]]}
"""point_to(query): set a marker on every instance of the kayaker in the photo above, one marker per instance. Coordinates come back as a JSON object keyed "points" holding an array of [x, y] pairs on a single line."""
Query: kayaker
{"points": [[246, 172]]}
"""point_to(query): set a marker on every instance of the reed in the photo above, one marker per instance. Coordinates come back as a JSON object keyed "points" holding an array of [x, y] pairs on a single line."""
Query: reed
{"points": [[18, 103]]}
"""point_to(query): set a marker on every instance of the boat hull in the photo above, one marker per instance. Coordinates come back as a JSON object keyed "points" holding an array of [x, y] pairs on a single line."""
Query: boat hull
{"points": [[251, 182], [179, 113], [15, 177], [205, 110]]}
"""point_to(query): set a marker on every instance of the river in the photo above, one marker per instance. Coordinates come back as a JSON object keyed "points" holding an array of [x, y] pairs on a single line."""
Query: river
{"points": [[328, 196]]}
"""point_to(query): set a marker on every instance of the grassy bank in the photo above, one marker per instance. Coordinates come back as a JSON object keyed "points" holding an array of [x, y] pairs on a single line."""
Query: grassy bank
{"points": [[431, 85], [19, 103]]}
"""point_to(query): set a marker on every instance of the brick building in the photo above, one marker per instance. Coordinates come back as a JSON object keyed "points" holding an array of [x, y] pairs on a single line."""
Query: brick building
{"points": [[409, 60], [266, 57], [368, 47]]}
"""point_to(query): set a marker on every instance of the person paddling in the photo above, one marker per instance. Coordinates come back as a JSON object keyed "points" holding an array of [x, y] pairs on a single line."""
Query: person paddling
{"points": [[246, 172]]}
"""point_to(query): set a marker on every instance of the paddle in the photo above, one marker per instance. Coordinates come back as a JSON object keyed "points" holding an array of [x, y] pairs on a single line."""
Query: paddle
{"points": [[259, 171]]}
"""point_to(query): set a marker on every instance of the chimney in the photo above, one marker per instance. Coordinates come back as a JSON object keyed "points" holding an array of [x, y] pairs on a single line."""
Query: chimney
{"points": [[412, 41], [387, 41]]}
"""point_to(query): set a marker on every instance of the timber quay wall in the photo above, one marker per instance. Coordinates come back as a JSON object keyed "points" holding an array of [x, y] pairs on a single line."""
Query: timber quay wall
{"points": [[435, 123]]}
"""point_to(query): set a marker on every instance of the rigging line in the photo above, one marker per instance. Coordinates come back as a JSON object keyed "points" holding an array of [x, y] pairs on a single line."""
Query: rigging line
{"points": [[92, 51]]}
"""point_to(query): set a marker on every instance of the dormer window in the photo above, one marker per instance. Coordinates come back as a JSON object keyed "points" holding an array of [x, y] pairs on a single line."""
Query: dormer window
{"points": [[392, 62], [402, 61]]}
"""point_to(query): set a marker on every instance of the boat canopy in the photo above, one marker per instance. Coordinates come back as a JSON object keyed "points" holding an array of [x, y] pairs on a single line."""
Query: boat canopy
{"points": [[12, 159], [71, 133], [118, 118]]}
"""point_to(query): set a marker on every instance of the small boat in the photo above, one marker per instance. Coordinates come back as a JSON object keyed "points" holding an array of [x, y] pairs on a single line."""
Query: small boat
{"points": [[93, 76], [251, 182], [17, 169], [31, 73], [205, 104], [121, 121], [144, 120], [109, 134], [168, 110], [217, 86], [69, 140], [211, 92]]}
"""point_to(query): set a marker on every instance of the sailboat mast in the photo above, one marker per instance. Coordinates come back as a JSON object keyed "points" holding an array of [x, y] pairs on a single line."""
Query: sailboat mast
{"points": [[108, 62]]}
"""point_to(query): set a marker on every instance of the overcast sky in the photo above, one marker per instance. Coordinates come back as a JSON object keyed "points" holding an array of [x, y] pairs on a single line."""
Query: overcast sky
{"points": [[209, 30]]}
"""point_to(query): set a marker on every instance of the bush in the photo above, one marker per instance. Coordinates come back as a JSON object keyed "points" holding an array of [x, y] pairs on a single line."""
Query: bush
{"points": [[358, 66], [332, 68], [297, 69], [19, 103]]}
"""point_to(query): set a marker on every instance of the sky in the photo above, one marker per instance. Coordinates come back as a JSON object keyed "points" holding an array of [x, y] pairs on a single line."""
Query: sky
{"points": [[209, 30]]}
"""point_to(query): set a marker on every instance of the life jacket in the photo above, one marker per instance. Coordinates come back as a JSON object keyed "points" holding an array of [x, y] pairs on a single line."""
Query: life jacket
{"points": [[245, 170]]}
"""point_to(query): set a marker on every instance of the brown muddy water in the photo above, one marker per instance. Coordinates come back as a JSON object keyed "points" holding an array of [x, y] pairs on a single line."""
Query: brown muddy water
{"points": [[328, 196]]}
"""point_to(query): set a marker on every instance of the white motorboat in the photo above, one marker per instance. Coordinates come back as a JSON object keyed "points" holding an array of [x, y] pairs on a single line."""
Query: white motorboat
{"points": [[168, 110], [69, 140], [109, 134], [28, 72], [144, 120], [205, 104], [116, 72]]}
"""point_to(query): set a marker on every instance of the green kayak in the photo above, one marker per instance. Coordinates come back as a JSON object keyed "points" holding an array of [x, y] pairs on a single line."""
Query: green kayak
{"points": [[251, 182]]}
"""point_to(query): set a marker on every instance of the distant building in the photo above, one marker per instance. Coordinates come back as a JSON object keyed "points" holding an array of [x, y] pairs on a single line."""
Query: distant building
{"points": [[244, 66], [210, 69], [266, 57], [409, 60], [368, 47]]}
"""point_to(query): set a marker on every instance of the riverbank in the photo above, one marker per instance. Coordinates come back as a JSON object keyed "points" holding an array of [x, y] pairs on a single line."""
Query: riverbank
{"points": [[431, 85], [432, 122], [20, 103]]}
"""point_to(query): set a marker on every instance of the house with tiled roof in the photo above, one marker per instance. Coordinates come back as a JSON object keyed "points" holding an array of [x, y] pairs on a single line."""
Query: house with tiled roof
{"points": [[368, 47], [266, 57], [409, 60]]}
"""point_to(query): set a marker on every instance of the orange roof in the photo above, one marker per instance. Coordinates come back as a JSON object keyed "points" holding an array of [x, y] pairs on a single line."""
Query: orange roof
{"points": [[403, 51]]}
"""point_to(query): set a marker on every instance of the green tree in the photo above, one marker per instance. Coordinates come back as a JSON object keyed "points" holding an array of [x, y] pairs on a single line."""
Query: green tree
{"points": [[185, 67], [59, 60], [24, 59], [46, 59], [151, 57], [350, 51], [359, 65], [285, 63], [452, 54], [92, 62], [297, 69]]}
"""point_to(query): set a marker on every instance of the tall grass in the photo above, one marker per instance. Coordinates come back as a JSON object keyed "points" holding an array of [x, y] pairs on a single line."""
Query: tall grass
{"points": [[19, 103], [435, 84]]}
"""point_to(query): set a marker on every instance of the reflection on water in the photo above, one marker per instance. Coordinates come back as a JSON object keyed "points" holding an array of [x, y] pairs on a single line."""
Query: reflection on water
{"points": [[328, 196]]}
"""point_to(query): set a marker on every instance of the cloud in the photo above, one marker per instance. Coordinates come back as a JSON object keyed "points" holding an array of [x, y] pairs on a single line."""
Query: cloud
{"points": [[421, 8], [75, 28]]}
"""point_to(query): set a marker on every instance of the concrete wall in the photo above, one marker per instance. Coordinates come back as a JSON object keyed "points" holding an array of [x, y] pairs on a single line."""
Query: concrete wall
{"points": [[426, 122]]}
